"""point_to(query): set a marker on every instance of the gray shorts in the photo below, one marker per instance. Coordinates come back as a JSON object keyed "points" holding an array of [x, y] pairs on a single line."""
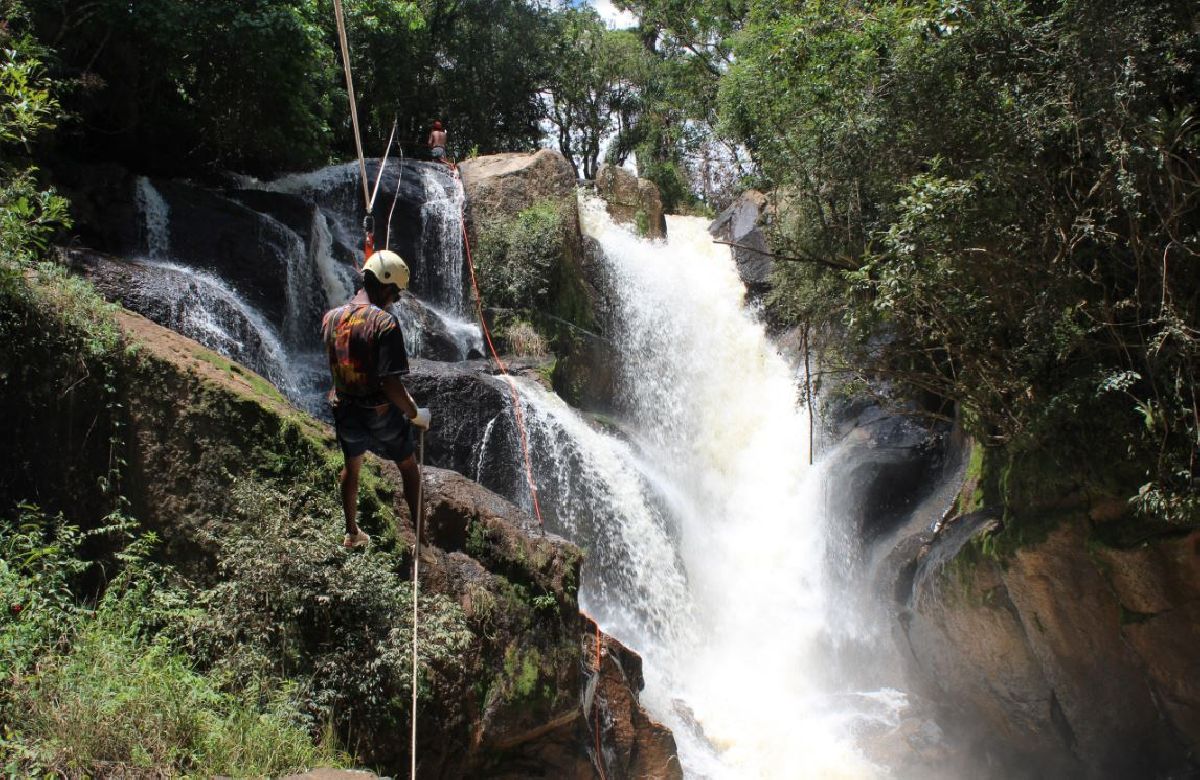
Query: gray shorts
{"points": [[360, 428], [438, 152]]}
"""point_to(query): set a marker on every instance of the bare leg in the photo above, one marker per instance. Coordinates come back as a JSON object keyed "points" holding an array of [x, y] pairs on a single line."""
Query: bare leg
{"points": [[349, 482], [410, 473]]}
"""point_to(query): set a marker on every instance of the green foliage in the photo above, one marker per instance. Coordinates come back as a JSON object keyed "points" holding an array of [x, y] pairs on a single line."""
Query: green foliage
{"points": [[595, 85], [291, 602], [29, 215], [1000, 202], [257, 85], [176, 85], [520, 672], [96, 690], [515, 257], [26, 105]]}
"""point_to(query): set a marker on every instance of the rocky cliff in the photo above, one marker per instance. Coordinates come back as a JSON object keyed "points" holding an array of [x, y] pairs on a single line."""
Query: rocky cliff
{"points": [[1072, 653], [239, 485]]}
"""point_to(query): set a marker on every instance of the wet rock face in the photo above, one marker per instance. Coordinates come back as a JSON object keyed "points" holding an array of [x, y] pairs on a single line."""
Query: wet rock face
{"points": [[886, 464], [632, 744], [1047, 651], [743, 224], [139, 287], [474, 433], [517, 587], [631, 200], [260, 238]]}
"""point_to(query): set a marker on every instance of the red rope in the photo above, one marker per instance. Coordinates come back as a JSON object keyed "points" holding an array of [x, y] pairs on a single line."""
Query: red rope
{"points": [[596, 725], [512, 386]]}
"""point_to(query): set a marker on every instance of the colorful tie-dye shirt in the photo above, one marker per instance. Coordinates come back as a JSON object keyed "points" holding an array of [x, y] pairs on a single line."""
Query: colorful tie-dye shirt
{"points": [[364, 344]]}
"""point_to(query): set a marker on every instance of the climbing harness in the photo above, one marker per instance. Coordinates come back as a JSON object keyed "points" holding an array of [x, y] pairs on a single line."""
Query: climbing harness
{"points": [[419, 525], [512, 385]]}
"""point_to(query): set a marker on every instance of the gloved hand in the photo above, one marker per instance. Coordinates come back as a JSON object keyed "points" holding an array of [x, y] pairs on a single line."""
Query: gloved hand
{"points": [[422, 419]]}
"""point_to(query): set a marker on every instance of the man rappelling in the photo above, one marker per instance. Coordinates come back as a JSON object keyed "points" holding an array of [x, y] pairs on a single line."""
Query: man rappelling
{"points": [[372, 410]]}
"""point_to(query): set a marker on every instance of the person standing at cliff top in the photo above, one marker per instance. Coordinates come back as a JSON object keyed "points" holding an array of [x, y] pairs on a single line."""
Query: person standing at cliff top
{"points": [[372, 410], [437, 142]]}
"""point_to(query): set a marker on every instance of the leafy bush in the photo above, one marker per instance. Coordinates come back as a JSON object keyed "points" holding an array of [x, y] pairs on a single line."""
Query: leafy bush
{"points": [[515, 257], [28, 213], [999, 202], [291, 602], [97, 690]]}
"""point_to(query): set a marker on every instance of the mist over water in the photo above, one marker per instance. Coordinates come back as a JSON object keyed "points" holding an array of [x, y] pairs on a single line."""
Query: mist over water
{"points": [[704, 525]]}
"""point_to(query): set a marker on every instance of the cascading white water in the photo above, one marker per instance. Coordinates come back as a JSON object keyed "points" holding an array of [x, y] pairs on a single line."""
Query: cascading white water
{"points": [[705, 538], [202, 307], [156, 219], [337, 279], [299, 296], [442, 241]]}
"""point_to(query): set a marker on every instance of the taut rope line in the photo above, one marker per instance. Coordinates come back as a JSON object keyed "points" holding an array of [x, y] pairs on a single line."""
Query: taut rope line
{"points": [[419, 525], [369, 202], [512, 385], [362, 163]]}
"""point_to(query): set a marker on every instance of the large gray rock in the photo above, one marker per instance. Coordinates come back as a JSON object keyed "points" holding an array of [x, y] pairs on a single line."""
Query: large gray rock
{"points": [[631, 200], [504, 184], [742, 224], [474, 431]]}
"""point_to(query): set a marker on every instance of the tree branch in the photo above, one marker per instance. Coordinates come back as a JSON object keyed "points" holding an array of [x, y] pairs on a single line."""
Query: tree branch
{"points": [[815, 260]]}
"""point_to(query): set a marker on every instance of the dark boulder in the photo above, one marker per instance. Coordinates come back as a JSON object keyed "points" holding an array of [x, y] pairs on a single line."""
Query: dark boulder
{"points": [[742, 224], [474, 431], [885, 463]]}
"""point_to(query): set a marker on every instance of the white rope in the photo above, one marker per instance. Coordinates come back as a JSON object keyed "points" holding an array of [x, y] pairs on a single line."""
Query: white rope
{"points": [[418, 524], [387, 241], [382, 165], [362, 163]]}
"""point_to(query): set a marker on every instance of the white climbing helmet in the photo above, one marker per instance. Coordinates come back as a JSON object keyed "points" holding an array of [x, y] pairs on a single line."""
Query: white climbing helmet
{"points": [[389, 268]]}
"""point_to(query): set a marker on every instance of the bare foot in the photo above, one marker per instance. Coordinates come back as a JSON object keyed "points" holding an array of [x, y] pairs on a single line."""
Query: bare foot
{"points": [[360, 539]]}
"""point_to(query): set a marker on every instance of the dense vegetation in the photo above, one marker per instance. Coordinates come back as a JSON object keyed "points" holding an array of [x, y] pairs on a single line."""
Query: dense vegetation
{"points": [[177, 87], [1012, 190], [997, 199], [114, 664]]}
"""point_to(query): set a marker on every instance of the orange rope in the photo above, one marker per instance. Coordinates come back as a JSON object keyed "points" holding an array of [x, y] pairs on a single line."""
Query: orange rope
{"points": [[596, 726], [512, 386]]}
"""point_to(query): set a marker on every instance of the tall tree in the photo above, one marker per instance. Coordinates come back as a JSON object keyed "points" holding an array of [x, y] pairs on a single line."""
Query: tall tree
{"points": [[595, 89]]}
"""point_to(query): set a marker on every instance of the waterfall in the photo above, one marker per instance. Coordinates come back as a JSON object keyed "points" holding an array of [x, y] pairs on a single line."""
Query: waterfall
{"points": [[337, 279], [442, 241], [302, 296], [156, 219], [705, 532], [202, 307]]}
